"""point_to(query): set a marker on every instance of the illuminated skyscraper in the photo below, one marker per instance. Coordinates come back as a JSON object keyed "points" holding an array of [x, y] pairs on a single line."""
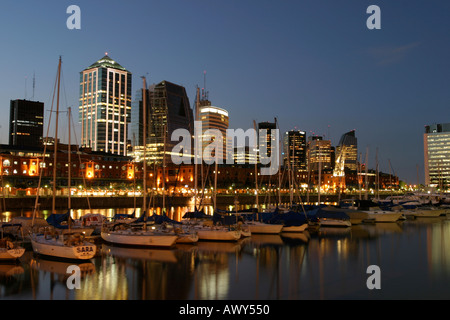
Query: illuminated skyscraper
{"points": [[346, 154], [213, 118], [268, 142], [295, 149], [436, 142], [319, 151], [105, 106], [170, 110]]}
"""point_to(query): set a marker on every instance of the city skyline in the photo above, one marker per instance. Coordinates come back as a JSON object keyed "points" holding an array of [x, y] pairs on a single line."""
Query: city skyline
{"points": [[314, 66]]}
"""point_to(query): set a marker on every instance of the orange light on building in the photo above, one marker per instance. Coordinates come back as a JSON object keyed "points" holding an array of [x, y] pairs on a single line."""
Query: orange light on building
{"points": [[33, 168], [130, 171], [90, 170]]}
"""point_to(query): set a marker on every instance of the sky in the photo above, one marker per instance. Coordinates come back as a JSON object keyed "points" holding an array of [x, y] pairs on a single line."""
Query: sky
{"points": [[312, 64]]}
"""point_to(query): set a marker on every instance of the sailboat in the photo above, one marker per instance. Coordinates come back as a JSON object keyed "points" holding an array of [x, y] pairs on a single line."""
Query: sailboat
{"points": [[254, 225], [9, 250], [48, 241], [139, 234], [206, 229], [62, 221]]}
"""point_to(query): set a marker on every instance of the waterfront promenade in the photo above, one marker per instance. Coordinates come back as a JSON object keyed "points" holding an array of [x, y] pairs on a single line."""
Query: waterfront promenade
{"points": [[223, 201]]}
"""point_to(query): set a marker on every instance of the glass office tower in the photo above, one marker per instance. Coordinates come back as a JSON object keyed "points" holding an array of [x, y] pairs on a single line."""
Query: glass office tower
{"points": [[169, 108], [346, 154], [295, 149], [436, 142], [105, 106], [26, 124]]}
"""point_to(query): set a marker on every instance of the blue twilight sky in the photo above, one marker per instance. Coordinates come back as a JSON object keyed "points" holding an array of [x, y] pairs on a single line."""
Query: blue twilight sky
{"points": [[313, 64]]}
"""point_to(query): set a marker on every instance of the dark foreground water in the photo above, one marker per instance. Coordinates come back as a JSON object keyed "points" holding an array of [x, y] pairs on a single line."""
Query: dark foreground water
{"points": [[413, 257]]}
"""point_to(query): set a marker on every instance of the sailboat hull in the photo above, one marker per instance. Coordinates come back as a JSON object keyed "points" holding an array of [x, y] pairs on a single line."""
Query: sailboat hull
{"points": [[143, 238], [56, 248], [11, 254], [300, 228], [258, 227], [219, 235], [384, 216]]}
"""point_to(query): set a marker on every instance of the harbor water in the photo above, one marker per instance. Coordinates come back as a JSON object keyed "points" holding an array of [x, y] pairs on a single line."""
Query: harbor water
{"points": [[325, 264]]}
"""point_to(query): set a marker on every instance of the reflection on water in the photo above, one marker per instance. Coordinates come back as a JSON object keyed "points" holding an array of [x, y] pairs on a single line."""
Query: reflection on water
{"points": [[329, 263]]}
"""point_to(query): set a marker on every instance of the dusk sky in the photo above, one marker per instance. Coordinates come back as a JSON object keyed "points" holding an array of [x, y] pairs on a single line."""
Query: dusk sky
{"points": [[312, 64]]}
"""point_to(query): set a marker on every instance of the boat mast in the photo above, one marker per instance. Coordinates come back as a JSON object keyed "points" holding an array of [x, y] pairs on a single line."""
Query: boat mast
{"points": [[56, 140], [70, 164], [320, 173], [279, 164], [197, 105], [144, 116], [366, 196], [164, 169], [256, 169]]}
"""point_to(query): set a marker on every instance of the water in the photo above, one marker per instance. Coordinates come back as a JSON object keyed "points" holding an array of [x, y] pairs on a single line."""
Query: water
{"points": [[413, 257]]}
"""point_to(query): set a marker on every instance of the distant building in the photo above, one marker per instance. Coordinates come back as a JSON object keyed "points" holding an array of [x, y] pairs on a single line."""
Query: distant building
{"points": [[268, 142], [26, 124], [319, 152], [136, 127], [295, 149], [213, 118], [105, 106], [436, 141], [346, 153], [169, 109]]}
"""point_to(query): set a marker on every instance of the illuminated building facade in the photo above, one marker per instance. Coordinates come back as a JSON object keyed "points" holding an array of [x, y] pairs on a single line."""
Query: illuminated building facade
{"points": [[268, 142], [26, 124], [295, 149], [346, 154], [213, 118], [319, 152], [436, 141], [105, 106], [169, 110]]}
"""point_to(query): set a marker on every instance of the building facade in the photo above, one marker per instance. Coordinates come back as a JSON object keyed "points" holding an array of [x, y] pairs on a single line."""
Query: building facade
{"points": [[26, 123], [169, 111], [346, 154], [269, 143], [214, 118], [295, 149], [105, 106], [436, 141], [319, 153]]}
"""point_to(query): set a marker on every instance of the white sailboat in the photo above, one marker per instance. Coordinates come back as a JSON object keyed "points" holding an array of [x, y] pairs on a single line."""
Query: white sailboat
{"points": [[49, 242], [139, 235], [46, 240]]}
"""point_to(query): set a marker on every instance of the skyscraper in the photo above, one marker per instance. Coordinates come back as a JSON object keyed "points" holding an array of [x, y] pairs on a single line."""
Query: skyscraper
{"points": [[295, 149], [213, 118], [346, 153], [268, 141], [436, 143], [105, 106], [26, 124], [319, 151], [169, 108], [136, 127]]}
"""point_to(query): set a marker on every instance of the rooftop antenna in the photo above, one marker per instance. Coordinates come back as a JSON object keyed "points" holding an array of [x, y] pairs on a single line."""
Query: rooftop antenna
{"points": [[205, 93], [34, 84]]}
